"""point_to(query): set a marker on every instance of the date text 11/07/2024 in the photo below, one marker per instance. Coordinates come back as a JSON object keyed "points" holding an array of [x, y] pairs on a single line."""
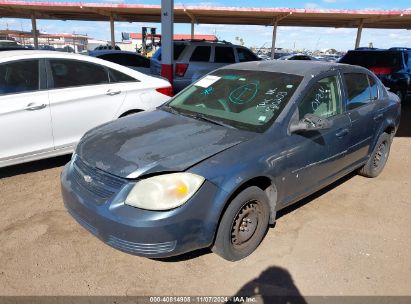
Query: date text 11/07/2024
{"points": [[202, 299]]}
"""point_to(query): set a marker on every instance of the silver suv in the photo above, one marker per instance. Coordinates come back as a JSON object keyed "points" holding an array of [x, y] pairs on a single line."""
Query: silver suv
{"points": [[195, 58]]}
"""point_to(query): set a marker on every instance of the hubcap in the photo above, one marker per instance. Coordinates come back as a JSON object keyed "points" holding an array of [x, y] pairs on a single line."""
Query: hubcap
{"points": [[245, 223], [380, 155]]}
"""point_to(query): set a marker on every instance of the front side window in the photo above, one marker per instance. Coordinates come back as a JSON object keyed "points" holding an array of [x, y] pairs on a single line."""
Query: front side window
{"points": [[358, 89], [224, 54], [249, 100], [323, 99], [19, 77], [75, 73]]}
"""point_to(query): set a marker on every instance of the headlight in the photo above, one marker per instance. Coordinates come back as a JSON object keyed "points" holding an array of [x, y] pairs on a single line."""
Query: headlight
{"points": [[164, 192]]}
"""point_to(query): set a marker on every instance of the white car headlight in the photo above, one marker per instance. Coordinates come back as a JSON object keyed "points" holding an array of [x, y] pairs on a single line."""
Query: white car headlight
{"points": [[164, 192]]}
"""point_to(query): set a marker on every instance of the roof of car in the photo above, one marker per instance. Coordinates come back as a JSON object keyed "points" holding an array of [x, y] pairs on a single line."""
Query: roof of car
{"points": [[103, 52], [299, 67], [24, 52]]}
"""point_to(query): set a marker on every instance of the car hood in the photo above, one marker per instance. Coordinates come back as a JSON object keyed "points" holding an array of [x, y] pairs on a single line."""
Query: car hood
{"points": [[155, 141]]}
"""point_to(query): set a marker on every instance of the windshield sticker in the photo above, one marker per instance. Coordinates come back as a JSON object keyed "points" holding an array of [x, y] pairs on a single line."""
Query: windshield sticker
{"points": [[207, 91], [289, 86], [207, 81], [244, 93], [262, 118]]}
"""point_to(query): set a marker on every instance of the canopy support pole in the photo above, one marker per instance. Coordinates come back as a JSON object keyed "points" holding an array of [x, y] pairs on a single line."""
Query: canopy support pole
{"points": [[167, 22], [113, 39], [34, 30], [359, 32], [274, 38]]}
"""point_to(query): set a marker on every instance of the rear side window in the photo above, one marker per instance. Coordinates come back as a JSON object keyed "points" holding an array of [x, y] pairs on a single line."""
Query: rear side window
{"points": [[323, 99], [116, 76], [178, 49], [245, 55], [201, 53], [127, 60], [373, 87], [19, 77], [75, 73], [358, 90], [224, 54]]}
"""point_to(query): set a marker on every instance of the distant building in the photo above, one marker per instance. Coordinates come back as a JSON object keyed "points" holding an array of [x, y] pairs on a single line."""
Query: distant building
{"points": [[75, 42]]}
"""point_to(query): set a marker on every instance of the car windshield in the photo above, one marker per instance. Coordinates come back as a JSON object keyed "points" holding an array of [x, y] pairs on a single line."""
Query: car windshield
{"points": [[249, 100]]}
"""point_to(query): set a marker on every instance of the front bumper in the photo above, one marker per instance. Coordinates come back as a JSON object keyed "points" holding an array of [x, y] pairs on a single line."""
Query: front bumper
{"points": [[141, 232]]}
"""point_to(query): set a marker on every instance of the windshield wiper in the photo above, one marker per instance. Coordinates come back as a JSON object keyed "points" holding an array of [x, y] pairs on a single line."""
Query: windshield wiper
{"points": [[213, 121], [169, 109], [198, 116]]}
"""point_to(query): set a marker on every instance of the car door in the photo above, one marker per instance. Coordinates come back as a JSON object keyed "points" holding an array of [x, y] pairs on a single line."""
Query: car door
{"points": [[363, 109], [316, 156], [25, 121], [81, 97]]}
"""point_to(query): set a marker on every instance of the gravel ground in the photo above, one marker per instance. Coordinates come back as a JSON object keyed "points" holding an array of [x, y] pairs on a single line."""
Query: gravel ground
{"points": [[353, 238]]}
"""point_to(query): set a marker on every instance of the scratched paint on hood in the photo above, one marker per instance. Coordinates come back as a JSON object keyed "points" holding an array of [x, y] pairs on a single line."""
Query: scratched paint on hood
{"points": [[155, 141]]}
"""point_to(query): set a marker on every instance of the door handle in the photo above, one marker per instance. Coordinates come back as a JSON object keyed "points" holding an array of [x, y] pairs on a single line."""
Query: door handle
{"points": [[378, 117], [112, 92], [33, 106], [342, 132]]}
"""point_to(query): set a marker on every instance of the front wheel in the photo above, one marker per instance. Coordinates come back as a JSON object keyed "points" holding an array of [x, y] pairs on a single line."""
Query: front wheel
{"points": [[243, 225], [376, 163]]}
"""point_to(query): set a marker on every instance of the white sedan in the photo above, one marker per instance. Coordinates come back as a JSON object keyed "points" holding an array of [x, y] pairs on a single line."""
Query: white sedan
{"points": [[48, 100]]}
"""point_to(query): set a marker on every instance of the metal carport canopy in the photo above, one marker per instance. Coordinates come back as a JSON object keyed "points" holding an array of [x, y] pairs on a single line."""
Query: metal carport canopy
{"points": [[388, 19]]}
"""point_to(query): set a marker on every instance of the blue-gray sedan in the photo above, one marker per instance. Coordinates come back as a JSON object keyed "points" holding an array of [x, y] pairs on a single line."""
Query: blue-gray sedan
{"points": [[213, 166]]}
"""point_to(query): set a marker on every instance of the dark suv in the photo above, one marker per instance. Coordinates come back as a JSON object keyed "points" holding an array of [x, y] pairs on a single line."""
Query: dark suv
{"points": [[392, 66]]}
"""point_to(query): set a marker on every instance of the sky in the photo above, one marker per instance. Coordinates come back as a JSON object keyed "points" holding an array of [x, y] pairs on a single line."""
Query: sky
{"points": [[253, 36]]}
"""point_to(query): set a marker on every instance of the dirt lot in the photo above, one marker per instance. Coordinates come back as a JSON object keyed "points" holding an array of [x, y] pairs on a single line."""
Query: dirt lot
{"points": [[351, 239]]}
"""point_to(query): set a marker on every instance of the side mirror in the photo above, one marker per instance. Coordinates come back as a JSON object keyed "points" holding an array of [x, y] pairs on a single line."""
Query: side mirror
{"points": [[310, 122]]}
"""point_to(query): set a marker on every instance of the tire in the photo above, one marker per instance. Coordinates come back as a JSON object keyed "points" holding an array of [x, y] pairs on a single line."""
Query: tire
{"points": [[378, 158], [243, 225]]}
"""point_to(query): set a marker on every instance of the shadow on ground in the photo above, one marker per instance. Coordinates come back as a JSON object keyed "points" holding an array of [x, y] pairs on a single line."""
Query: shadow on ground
{"points": [[34, 166], [273, 285]]}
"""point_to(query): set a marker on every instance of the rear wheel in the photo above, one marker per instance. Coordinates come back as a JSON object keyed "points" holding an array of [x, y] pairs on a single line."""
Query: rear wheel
{"points": [[376, 163], [243, 225]]}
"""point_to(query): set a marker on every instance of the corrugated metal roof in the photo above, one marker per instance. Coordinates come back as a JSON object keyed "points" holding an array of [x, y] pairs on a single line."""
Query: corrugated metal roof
{"points": [[396, 19]]}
